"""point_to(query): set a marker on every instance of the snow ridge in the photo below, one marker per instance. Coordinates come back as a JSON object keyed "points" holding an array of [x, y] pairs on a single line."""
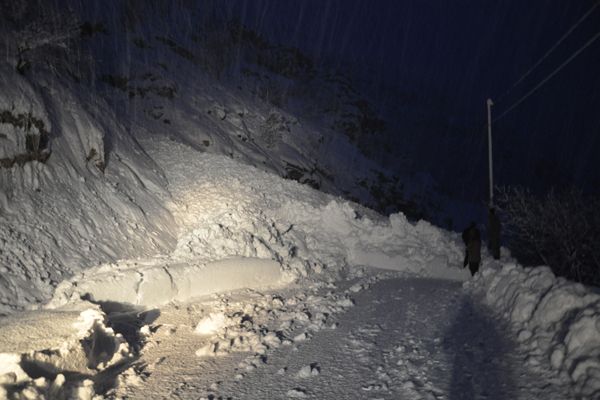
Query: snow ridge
{"points": [[72, 346], [558, 321]]}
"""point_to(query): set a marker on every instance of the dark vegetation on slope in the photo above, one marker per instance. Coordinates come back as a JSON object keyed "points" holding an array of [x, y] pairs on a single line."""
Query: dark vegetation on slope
{"points": [[560, 229], [37, 138], [280, 75]]}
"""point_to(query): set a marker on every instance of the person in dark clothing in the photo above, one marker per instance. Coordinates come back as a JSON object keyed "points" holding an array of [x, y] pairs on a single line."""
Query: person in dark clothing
{"points": [[494, 233], [472, 239]]}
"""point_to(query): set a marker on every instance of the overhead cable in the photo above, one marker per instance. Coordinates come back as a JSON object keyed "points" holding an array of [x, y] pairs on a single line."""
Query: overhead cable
{"points": [[547, 78], [550, 51]]}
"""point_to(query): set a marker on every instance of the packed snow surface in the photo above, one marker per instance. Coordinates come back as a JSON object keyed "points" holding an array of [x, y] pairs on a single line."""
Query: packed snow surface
{"points": [[397, 338], [274, 289]]}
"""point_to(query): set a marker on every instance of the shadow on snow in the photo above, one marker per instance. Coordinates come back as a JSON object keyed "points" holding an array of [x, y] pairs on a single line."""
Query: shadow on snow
{"points": [[478, 355]]}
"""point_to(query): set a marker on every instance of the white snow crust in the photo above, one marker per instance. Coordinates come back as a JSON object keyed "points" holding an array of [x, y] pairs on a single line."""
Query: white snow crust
{"points": [[153, 283], [37, 348]]}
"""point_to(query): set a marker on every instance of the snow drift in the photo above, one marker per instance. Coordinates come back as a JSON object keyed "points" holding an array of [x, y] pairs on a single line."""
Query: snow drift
{"points": [[153, 283], [558, 321], [54, 354], [244, 228]]}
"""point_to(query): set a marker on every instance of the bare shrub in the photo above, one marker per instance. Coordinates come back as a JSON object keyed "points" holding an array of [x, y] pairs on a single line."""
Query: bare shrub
{"points": [[561, 229]]}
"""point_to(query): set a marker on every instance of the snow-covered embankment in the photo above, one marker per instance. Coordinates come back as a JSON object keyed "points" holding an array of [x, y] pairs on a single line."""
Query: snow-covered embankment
{"points": [[558, 321], [55, 354], [239, 227]]}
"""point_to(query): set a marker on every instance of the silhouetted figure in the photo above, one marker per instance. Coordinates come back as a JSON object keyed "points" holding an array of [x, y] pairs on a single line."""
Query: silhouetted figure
{"points": [[472, 239], [494, 233]]}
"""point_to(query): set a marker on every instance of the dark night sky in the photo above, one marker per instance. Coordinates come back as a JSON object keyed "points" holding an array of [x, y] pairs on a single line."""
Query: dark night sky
{"points": [[457, 53]]}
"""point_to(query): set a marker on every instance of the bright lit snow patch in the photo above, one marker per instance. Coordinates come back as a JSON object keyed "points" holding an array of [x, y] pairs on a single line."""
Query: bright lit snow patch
{"points": [[211, 324]]}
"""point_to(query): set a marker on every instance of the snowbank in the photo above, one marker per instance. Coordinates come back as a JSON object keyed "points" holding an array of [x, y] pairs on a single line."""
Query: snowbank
{"points": [[339, 233], [153, 282], [52, 353], [557, 320], [240, 211]]}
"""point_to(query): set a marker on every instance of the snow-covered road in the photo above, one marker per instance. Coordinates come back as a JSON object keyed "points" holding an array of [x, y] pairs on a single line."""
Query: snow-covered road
{"points": [[403, 339]]}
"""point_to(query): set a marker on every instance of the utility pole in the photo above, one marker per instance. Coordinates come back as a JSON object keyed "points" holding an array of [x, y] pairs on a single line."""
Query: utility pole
{"points": [[490, 103]]}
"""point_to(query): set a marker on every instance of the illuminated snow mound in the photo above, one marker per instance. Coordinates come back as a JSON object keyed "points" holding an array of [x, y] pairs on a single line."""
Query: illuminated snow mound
{"points": [[153, 282], [236, 210]]}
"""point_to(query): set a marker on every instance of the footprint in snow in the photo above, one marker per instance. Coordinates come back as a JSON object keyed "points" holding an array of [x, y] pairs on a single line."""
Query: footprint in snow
{"points": [[297, 393], [309, 371], [376, 387]]}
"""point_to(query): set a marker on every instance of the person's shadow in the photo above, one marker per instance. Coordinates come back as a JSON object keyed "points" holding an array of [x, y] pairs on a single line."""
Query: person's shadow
{"points": [[477, 352]]}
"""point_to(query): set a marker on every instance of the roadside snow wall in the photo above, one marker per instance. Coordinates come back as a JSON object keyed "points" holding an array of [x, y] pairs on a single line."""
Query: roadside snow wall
{"points": [[154, 283], [56, 354], [558, 321]]}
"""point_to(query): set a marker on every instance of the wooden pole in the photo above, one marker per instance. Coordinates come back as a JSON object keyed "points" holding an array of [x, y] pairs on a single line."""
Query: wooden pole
{"points": [[490, 103]]}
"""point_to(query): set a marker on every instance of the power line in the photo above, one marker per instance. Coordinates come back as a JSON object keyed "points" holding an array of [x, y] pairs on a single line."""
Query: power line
{"points": [[563, 37], [539, 85]]}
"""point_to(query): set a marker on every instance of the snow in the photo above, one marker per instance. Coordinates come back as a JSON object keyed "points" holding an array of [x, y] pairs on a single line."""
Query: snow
{"points": [[211, 324], [270, 278], [399, 339], [99, 198], [557, 321], [39, 347], [80, 207], [147, 259], [155, 282]]}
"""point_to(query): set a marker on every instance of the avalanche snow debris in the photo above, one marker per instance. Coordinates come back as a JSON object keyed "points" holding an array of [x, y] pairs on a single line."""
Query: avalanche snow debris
{"points": [[72, 339], [101, 196], [210, 324], [155, 282], [232, 236]]}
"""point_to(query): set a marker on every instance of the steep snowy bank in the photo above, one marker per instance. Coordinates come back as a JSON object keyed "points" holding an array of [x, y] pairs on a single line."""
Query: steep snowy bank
{"points": [[65, 202], [557, 321], [80, 83]]}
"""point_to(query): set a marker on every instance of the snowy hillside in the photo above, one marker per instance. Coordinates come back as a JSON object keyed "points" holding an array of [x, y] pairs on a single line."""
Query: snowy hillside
{"points": [[177, 220], [63, 205], [81, 87], [234, 219]]}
